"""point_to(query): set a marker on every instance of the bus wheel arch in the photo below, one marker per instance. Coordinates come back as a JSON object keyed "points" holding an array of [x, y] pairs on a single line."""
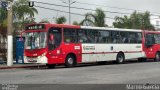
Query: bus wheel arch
{"points": [[70, 60], [157, 56], [120, 57]]}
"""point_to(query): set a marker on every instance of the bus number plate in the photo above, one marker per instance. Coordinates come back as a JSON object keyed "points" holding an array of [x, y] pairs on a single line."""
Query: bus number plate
{"points": [[32, 60]]}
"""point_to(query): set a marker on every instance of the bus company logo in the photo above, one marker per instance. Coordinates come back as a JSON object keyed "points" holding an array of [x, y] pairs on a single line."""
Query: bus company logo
{"points": [[77, 47], [88, 47], [138, 46]]}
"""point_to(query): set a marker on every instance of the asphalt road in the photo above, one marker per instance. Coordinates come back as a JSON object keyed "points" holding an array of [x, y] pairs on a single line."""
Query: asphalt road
{"points": [[129, 73]]}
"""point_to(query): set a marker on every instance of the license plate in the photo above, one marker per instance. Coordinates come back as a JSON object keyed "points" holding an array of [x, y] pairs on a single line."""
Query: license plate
{"points": [[32, 60]]}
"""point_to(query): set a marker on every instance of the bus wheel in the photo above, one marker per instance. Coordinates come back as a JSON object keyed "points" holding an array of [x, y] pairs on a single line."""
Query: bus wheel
{"points": [[50, 66], [157, 57], [120, 58], [70, 61]]}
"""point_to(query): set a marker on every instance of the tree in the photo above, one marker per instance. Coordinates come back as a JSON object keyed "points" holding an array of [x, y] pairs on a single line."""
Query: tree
{"points": [[3, 22], [44, 21], [122, 22], [96, 19], [75, 23], [21, 13], [134, 21], [3, 16], [61, 20]]}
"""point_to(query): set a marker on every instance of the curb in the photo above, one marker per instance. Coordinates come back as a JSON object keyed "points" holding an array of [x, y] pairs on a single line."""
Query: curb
{"points": [[20, 66]]}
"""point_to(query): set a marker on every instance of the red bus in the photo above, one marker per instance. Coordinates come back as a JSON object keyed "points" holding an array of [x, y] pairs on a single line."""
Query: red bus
{"points": [[151, 46], [53, 44]]}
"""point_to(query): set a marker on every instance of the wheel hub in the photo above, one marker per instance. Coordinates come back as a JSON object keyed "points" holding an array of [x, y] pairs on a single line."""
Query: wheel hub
{"points": [[70, 60]]}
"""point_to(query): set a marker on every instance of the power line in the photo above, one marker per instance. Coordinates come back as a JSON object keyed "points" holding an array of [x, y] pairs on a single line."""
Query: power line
{"points": [[65, 11], [97, 5], [51, 4], [79, 8], [115, 7]]}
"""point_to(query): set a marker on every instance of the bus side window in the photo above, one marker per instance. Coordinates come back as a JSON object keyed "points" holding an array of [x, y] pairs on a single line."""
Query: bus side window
{"points": [[139, 37], [124, 37], [105, 36], [150, 39], [115, 37], [70, 35], [132, 37], [157, 38], [91, 36], [98, 37], [82, 36]]}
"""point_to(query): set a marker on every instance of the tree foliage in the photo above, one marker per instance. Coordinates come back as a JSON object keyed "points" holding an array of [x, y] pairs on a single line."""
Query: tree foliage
{"points": [[61, 20], [95, 19], [22, 13], [76, 23], [134, 21], [44, 21], [3, 22]]}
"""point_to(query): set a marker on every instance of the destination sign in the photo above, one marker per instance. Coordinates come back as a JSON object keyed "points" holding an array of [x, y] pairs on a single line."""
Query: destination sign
{"points": [[35, 27]]}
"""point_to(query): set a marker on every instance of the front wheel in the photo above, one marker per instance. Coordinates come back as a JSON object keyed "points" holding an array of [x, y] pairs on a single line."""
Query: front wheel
{"points": [[70, 61], [120, 58], [157, 57]]}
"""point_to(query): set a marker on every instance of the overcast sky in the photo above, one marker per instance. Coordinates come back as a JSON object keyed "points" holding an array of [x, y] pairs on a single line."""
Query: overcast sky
{"points": [[145, 5]]}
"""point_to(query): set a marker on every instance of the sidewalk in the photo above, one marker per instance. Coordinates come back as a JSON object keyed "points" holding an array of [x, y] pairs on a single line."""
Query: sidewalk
{"points": [[4, 66]]}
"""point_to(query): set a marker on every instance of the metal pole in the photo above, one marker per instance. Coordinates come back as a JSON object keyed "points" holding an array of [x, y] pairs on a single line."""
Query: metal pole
{"points": [[69, 12], [9, 35]]}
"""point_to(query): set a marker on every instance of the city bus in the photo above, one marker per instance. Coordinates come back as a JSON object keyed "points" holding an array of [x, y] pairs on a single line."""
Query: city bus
{"points": [[54, 44]]}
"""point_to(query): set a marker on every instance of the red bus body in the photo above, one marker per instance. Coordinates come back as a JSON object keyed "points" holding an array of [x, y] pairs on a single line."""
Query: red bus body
{"points": [[151, 50]]}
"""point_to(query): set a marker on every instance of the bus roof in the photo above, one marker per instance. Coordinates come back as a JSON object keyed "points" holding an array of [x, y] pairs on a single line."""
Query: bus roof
{"points": [[112, 29], [56, 25], [90, 27]]}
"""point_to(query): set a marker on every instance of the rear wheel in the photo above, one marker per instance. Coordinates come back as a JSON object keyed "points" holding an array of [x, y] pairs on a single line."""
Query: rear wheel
{"points": [[157, 57], [50, 66], [70, 61], [120, 58]]}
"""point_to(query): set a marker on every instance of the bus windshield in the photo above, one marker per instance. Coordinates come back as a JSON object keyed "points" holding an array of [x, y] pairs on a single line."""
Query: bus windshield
{"points": [[35, 40]]}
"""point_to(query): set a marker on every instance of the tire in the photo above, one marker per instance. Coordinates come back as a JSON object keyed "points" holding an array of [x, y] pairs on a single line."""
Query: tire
{"points": [[70, 61], [50, 66], [157, 57], [120, 58]]}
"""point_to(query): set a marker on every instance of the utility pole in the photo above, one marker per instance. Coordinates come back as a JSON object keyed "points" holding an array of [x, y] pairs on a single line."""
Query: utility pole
{"points": [[69, 11], [9, 34], [69, 6]]}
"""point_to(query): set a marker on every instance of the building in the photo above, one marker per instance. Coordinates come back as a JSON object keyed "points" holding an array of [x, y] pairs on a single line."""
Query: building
{"points": [[155, 20]]}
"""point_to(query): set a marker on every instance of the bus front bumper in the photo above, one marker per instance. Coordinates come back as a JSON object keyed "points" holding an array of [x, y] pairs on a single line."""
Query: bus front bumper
{"points": [[41, 60]]}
